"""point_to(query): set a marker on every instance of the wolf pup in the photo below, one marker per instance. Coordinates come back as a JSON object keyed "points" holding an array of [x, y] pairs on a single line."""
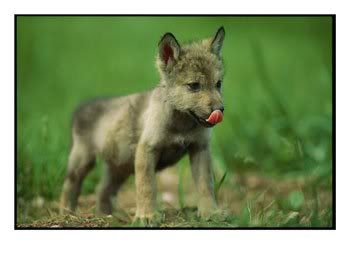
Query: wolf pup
{"points": [[143, 133]]}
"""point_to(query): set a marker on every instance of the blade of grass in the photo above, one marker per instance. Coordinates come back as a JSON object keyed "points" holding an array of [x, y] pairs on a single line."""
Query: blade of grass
{"points": [[218, 185]]}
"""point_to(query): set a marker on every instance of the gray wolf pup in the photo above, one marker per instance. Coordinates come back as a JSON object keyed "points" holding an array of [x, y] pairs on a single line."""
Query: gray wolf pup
{"points": [[143, 133]]}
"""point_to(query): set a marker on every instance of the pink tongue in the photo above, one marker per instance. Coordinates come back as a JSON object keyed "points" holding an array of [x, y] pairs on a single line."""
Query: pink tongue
{"points": [[215, 117]]}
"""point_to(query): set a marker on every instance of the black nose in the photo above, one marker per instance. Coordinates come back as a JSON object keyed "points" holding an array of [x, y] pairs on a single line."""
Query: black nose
{"points": [[222, 109]]}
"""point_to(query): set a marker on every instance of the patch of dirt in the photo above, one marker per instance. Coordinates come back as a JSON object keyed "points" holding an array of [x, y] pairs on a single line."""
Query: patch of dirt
{"points": [[261, 197]]}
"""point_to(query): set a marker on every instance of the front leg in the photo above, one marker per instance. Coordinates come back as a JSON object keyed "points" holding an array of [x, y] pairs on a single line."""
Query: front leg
{"points": [[145, 164], [201, 167]]}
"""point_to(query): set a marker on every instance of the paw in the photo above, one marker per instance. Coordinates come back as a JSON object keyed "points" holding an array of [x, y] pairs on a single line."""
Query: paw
{"points": [[216, 215], [208, 210], [206, 213], [147, 220], [206, 207]]}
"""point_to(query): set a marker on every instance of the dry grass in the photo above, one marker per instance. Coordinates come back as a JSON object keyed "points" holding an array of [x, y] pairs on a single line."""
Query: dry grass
{"points": [[249, 201]]}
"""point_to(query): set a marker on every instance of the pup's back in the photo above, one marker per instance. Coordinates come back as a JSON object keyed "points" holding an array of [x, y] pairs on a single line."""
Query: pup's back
{"points": [[101, 123]]}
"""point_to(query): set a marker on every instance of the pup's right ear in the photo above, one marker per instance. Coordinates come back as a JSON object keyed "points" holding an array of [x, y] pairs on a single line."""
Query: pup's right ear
{"points": [[169, 50]]}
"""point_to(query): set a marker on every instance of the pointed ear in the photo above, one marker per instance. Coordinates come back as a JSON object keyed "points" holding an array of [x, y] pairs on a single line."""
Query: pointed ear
{"points": [[217, 42], [169, 49]]}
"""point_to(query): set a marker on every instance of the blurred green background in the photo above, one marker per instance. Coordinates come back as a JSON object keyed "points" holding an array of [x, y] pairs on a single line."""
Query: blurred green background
{"points": [[277, 90]]}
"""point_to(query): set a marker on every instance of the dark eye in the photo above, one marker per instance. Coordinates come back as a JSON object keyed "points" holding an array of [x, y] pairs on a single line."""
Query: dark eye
{"points": [[194, 86], [218, 84]]}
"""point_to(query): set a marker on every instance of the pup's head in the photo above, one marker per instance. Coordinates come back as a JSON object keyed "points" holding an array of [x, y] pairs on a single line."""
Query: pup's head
{"points": [[193, 75]]}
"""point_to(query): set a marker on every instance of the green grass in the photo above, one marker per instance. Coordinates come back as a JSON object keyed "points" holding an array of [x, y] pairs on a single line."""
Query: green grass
{"points": [[277, 90], [259, 202]]}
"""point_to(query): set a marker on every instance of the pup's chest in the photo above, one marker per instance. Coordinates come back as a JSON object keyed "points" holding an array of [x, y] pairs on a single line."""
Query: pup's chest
{"points": [[171, 153], [176, 145]]}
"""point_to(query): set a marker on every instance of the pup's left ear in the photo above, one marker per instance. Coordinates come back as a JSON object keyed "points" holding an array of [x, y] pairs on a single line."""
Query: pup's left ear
{"points": [[217, 42]]}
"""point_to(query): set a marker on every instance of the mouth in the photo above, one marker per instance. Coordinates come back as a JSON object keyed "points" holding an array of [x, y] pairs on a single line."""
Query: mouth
{"points": [[201, 121]]}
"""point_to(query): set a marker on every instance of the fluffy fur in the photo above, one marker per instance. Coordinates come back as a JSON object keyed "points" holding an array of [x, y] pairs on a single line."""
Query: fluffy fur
{"points": [[142, 133]]}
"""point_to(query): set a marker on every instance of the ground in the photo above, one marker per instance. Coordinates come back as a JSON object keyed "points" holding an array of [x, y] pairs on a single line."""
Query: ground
{"points": [[255, 201]]}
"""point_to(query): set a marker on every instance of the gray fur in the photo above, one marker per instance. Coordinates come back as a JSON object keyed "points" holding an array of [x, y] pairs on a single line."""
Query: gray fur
{"points": [[143, 133]]}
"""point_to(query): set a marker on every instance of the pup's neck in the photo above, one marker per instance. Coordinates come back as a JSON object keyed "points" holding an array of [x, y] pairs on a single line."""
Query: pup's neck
{"points": [[177, 121], [181, 121]]}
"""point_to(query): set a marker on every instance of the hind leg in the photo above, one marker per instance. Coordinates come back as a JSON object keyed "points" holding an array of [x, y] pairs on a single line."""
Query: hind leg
{"points": [[80, 162], [110, 184]]}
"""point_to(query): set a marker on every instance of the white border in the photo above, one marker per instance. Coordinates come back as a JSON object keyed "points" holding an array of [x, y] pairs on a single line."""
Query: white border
{"points": [[173, 247]]}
